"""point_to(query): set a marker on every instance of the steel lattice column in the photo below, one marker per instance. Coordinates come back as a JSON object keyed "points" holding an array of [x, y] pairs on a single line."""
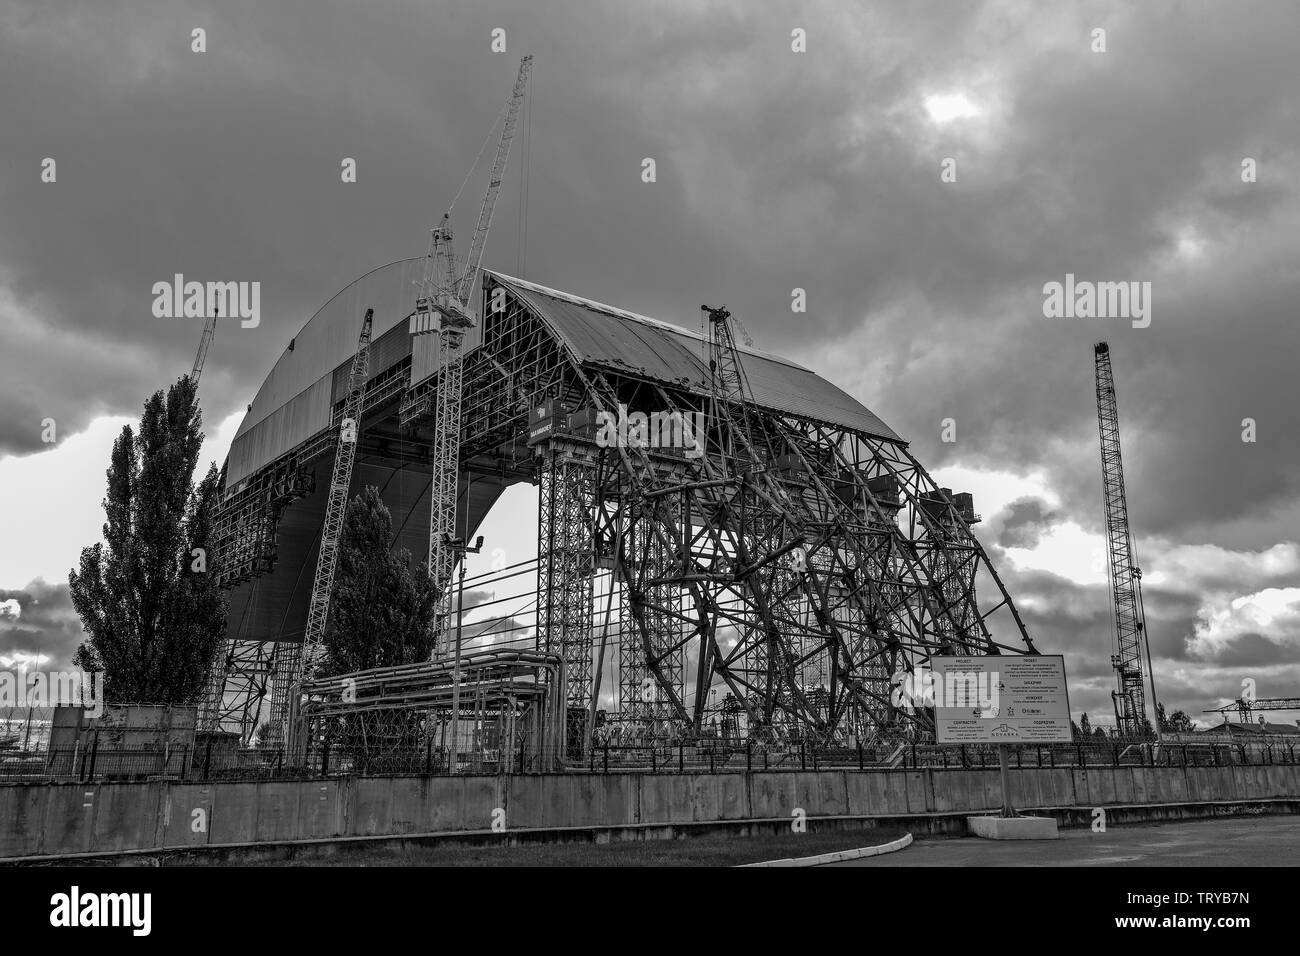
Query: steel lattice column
{"points": [[565, 568], [1125, 576], [238, 688], [655, 541], [443, 484]]}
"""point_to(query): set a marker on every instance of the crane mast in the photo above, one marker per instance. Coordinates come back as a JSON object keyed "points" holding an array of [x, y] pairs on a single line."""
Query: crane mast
{"points": [[443, 309], [1129, 638], [294, 661], [729, 386]]}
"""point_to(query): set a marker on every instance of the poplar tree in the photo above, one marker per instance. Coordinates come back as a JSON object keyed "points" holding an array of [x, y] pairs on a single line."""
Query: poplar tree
{"points": [[153, 615], [381, 614], [382, 608]]}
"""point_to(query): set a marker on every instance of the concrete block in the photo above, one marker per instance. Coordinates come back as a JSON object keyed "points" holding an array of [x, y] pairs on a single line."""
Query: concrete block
{"points": [[69, 818], [820, 793], [952, 791], [665, 798], [475, 800], [409, 806], [772, 795], [1172, 784], [1278, 781], [1079, 788], [22, 813], [1042, 778], [535, 800], [277, 810], [597, 798], [1124, 788], [181, 826], [704, 797], [985, 790], [917, 791], [1024, 787], [620, 799], [733, 797], [1056, 787], [320, 811], [1282, 781], [234, 814], [1101, 787], [1013, 828], [1144, 785], [445, 804], [868, 792]]}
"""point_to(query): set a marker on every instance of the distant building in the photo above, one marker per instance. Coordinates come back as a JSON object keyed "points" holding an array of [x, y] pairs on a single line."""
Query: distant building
{"points": [[1231, 729]]}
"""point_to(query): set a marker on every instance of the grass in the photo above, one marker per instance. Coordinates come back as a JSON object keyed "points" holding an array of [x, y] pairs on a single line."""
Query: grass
{"points": [[686, 851]]}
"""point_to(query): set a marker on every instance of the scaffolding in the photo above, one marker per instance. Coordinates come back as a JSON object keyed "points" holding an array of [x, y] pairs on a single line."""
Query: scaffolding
{"points": [[509, 713]]}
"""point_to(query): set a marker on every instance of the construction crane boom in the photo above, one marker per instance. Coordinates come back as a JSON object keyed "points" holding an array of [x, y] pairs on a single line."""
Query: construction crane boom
{"points": [[205, 340], [297, 660], [1246, 706], [474, 257], [444, 309], [1129, 638]]}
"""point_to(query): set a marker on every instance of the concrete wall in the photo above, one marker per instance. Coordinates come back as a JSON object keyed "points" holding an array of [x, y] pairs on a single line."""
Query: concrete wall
{"points": [[77, 818]]}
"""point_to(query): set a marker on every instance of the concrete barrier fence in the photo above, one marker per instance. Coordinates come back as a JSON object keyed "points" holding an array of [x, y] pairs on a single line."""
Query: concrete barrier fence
{"points": [[39, 819]]}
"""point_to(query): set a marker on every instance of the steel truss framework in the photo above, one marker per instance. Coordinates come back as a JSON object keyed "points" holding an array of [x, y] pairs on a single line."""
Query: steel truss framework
{"points": [[771, 587]]}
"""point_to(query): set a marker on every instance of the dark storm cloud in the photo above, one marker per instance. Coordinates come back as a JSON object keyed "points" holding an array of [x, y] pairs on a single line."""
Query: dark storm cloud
{"points": [[1065, 617], [1103, 161], [775, 170], [1024, 522], [1253, 650], [46, 624]]}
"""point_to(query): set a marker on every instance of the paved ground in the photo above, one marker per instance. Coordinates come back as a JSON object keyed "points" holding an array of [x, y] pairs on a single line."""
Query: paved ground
{"points": [[1251, 841]]}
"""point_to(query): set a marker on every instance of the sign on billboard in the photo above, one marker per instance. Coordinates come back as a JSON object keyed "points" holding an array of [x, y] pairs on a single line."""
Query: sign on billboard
{"points": [[1006, 699]]}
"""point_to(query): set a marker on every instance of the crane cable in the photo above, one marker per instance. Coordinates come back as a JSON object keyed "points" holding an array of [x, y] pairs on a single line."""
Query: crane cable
{"points": [[487, 139], [524, 185]]}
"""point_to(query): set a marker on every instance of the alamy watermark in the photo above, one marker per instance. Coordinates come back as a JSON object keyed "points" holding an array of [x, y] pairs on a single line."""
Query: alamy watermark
{"points": [[200, 300], [917, 688], [76, 688], [684, 430], [74, 909], [1082, 299]]}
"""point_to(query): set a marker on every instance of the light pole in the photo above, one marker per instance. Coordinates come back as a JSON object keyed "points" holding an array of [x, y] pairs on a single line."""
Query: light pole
{"points": [[461, 549]]}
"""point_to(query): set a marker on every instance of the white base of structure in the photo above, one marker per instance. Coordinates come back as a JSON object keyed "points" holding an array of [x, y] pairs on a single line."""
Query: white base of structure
{"points": [[1013, 828]]}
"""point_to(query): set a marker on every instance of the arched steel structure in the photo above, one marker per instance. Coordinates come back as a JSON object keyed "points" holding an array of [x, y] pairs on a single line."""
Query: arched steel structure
{"points": [[766, 582]]}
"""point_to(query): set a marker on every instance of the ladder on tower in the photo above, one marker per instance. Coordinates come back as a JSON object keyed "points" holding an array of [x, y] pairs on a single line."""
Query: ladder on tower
{"points": [[443, 309], [1129, 638], [294, 662]]}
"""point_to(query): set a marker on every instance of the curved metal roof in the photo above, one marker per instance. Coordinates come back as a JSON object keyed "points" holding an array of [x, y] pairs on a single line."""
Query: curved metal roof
{"points": [[607, 337], [294, 401]]}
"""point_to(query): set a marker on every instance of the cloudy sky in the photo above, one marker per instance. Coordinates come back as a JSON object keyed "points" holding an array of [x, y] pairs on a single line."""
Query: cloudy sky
{"points": [[775, 170]]}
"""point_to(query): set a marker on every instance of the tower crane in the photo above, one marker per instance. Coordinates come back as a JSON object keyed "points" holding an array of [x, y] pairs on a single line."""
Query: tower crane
{"points": [[293, 662], [1130, 637], [443, 309]]}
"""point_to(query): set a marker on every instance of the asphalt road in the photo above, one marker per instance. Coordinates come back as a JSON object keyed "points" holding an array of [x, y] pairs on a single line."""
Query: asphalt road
{"points": [[1239, 841]]}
